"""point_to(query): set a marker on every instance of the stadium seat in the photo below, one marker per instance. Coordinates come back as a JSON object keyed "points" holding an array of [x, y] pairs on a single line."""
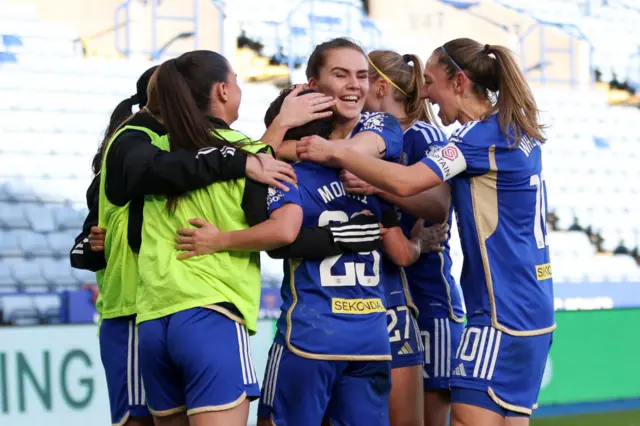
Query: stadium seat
{"points": [[19, 191], [28, 274], [33, 243], [67, 217], [12, 216], [58, 272], [7, 281], [4, 195], [40, 217], [60, 243], [9, 243], [84, 277]]}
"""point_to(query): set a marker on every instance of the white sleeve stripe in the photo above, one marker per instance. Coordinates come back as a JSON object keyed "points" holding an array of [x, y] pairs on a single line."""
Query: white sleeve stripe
{"points": [[356, 233], [356, 227], [461, 132], [356, 240]]}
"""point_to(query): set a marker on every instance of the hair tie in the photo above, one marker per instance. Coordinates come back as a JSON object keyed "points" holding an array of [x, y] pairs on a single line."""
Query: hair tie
{"points": [[487, 49], [383, 75], [407, 59]]}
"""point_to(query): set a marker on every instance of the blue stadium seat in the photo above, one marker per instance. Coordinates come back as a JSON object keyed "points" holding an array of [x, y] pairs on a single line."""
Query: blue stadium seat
{"points": [[40, 217], [4, 194], [58, 272], [6, 277], [8, 58], [29, 275], [11, 40], [60, 243], [18, 190], [12, 216], [33, 243], [66, 217], [9, 243], [84, 277]]}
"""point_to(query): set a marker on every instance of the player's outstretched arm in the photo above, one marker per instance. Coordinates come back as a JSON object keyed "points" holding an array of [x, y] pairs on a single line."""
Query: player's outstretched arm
{"points": [[432, 204], [281, 228], [394, 178]]}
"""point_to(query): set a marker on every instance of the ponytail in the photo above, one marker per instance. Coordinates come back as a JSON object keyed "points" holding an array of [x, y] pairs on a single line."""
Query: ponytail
{"points": [[121, 115], [417, 109], [180, 95], [405, 74], [118, 117], [492, 69], [516, 107]]}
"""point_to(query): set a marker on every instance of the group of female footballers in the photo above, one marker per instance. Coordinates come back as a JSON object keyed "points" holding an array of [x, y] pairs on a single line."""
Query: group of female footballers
{"points": [[358, 206]]}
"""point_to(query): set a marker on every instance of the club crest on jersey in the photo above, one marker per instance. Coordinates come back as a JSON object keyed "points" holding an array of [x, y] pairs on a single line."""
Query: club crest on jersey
{"points": [[373, 121]]}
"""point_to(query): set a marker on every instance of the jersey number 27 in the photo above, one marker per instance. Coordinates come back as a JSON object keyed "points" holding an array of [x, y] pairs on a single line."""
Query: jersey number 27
{"points": [[354, 272]]}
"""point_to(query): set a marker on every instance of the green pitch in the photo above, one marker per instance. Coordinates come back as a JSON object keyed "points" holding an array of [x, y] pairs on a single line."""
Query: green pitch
{"points": [[620, 418]]}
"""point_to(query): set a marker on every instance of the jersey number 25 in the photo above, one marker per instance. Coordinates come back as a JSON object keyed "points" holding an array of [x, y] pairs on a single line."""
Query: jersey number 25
{"points": [[354, 272]]}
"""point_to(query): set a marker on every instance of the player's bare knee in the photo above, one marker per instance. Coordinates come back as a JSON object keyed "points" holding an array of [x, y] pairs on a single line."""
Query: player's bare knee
{"points": [[179, 419], [140, 421]]}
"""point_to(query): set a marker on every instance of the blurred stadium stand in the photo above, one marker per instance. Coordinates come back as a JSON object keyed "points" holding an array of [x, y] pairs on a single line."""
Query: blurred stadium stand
{"points": [[56, 97]]}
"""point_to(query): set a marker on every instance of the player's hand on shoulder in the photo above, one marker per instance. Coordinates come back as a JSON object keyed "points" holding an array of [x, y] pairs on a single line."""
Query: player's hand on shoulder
{"points": [[265, 169], [96, 238], [205, 238], [316, 149], [355, 185], [429, 239]]}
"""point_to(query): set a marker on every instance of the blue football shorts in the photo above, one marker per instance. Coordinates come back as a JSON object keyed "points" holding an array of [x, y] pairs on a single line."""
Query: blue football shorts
{"points": [[300, 391], [504, 371], [407, 348], [196, 360], [440, 337], [119, 351]]}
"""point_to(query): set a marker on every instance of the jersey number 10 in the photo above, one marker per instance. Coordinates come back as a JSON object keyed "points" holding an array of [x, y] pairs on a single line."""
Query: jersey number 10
{"points": [[354, 272], [540, 221]]}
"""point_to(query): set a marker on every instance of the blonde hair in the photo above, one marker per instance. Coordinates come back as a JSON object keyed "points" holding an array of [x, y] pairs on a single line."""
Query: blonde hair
{"points": [[404, 73], [493, 68]]}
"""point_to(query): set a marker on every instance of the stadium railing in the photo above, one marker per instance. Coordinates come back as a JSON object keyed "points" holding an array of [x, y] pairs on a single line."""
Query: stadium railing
{"points": [[156, 52]]}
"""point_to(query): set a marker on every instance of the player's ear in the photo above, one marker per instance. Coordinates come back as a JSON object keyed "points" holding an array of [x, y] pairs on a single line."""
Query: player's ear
{"points": [[383, 87]]}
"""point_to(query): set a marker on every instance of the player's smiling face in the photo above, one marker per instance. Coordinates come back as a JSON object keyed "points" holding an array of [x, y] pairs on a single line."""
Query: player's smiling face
{"points": [[345, 76], [439, 90]]}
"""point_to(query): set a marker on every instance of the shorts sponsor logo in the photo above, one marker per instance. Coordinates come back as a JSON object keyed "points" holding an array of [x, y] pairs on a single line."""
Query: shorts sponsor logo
{"points": [[543, 272], [356, 306]]}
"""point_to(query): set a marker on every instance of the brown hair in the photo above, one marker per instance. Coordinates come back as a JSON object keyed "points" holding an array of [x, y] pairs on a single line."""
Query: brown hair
{"points": [[407, 77], [493, 68], [318, 56], [179, 95], [121, 114]]}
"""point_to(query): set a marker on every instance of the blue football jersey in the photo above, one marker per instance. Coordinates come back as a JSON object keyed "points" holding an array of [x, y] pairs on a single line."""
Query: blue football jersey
{"points": [[500, 198], [389, 129], [332, 308], [432, 286]]}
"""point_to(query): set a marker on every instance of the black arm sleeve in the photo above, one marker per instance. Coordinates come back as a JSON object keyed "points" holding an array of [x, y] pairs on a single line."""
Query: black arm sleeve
{"points": [[136, 168], [311, 243], [81, 255]]}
